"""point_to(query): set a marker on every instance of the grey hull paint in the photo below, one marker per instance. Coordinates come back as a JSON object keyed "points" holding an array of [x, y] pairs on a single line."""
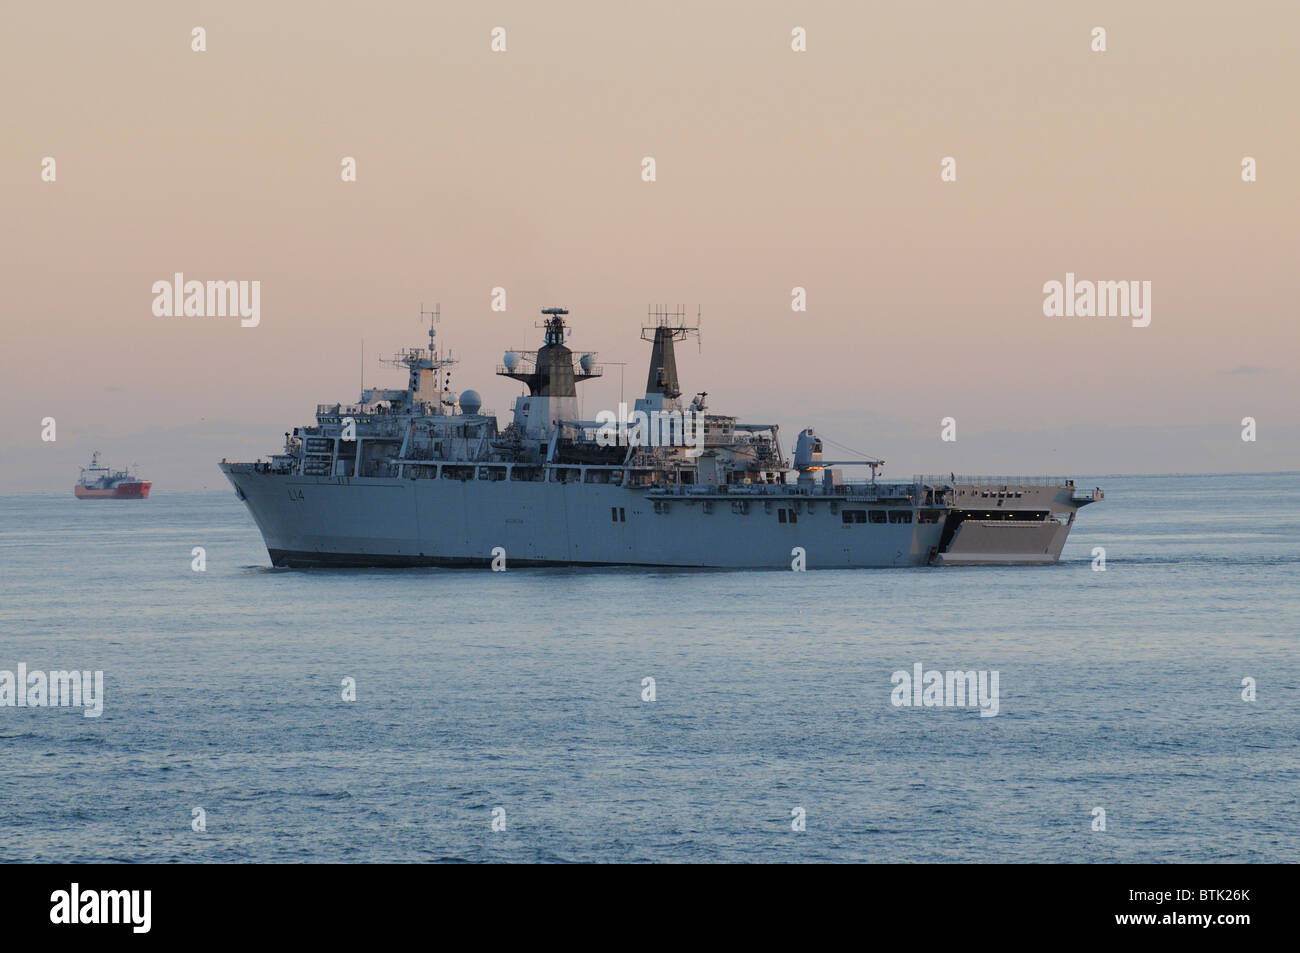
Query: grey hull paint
{"points": [[348, 521], [980, 542]]}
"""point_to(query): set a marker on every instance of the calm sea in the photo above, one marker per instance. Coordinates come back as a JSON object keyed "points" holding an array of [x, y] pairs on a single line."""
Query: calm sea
{"points": [[522, 691]]}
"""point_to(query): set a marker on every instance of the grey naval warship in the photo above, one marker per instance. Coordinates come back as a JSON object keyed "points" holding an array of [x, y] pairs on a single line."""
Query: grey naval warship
{"points": [[422, 476]]}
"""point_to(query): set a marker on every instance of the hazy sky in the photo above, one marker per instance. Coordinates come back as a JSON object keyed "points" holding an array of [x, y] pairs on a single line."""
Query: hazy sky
{"points": [[775, 169]]}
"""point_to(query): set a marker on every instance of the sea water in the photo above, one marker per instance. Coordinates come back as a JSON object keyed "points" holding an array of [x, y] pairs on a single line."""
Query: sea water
{"points": [[509, 716]]}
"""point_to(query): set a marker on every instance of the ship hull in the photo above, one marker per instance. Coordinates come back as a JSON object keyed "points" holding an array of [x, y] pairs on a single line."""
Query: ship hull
{"points": [[385, 522], [123, 491]]}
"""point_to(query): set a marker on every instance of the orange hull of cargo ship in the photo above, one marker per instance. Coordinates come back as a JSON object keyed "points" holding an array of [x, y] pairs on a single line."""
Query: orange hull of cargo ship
{"points": [[123, 491]]}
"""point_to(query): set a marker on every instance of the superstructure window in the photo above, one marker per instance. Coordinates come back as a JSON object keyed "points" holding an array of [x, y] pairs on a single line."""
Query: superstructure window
{"points": [[900, 516], [854, 516], [877, 516]]}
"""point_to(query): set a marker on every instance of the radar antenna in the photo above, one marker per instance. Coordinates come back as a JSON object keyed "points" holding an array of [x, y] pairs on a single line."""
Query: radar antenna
{"points": [[554, 324], [673, 322]]}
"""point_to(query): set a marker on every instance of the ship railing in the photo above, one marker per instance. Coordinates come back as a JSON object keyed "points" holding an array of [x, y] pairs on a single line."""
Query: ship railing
{"points": [[871, 491], [710, 489], [348, 409], [946, 478], [526, 363]]}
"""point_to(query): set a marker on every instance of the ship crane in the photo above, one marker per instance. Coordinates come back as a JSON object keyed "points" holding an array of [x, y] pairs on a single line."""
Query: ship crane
{"points": [[808, 457]]}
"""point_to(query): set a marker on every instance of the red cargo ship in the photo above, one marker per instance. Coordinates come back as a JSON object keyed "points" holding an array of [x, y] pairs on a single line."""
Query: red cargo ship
{"points": [[101, 483]]}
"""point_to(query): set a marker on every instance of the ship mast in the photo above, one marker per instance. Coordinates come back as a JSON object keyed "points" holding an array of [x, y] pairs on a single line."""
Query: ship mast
{"points": [[663, 328], [428, 379], [552, 370]]}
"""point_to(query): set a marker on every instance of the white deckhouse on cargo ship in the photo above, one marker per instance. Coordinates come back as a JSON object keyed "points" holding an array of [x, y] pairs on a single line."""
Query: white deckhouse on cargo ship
{"points": [[420, 476]]}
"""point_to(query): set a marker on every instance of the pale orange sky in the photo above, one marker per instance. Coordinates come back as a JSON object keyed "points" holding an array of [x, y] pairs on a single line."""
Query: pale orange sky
{"points": [[775, 169]]}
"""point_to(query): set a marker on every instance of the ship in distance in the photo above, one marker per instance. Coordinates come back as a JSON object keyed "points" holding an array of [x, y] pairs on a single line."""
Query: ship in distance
{"points": [[422, 476], [102, 483]]}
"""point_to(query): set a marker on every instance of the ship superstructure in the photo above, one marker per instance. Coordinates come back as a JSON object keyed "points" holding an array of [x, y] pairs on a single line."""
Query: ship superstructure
{"points": [[425, 476]]}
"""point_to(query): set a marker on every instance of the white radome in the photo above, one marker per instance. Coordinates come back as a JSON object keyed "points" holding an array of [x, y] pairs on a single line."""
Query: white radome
{"points": [[470, 402]]}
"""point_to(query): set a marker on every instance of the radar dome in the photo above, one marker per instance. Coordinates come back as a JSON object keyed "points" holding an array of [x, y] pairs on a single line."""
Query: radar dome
{"points": [[511, 359], [585, 362], [470, 402]]}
